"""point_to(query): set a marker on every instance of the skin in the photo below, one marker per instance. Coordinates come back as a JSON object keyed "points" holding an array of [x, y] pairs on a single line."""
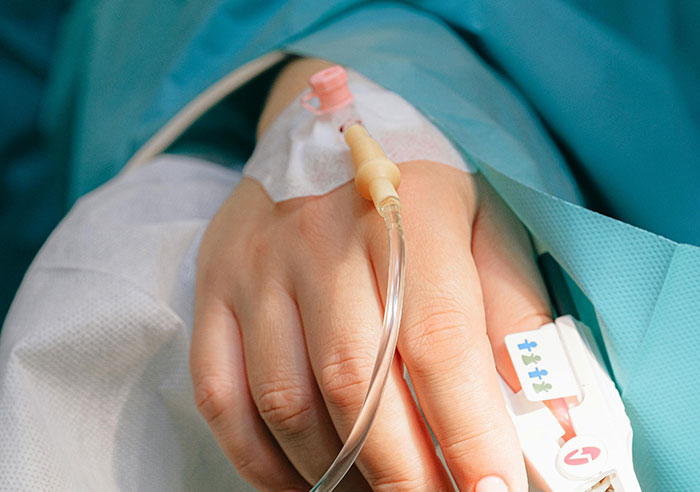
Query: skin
{"points": [[288, 308]]}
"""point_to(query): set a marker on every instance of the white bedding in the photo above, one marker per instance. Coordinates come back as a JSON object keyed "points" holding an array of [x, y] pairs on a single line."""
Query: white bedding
{"points": [[95, 392]]}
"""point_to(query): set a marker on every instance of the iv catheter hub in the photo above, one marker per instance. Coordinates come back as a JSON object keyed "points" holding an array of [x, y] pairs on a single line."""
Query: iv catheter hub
{"points": [[376, 176]]}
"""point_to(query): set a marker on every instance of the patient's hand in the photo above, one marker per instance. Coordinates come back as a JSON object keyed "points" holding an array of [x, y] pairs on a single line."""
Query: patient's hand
{"points": [[288, 311]]}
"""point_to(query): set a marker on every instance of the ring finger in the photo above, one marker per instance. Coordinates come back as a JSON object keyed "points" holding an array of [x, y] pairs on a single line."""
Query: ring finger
{"points": [[283, 386], [342, 338]]}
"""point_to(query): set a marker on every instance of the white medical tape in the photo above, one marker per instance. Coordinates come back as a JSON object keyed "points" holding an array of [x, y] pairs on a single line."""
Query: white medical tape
{"points": [[303, 154]]}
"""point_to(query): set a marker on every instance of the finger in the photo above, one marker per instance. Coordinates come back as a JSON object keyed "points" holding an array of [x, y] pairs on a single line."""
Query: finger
{"points": [[443, 340], [283, 386], [222, 397], [515, 298], [342, 319]]}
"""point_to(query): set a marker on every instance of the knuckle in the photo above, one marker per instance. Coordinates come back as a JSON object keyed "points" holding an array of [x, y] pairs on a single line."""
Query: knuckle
{"points": [[208, 275], [250, 467], [213, 396], [343, 378], [245, 463], [286, 408], [311, 220], [409, 475], [466, 442], [258, 251], [438, 336], [316, 229], [531, 321], [411, 484]]}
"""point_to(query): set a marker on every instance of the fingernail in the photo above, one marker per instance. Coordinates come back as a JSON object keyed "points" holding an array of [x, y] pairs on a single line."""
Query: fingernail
{"points": [[491, 484]]}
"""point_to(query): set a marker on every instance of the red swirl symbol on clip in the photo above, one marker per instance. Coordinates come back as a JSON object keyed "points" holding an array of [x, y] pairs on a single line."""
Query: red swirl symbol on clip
{"points": [[582, 456]]}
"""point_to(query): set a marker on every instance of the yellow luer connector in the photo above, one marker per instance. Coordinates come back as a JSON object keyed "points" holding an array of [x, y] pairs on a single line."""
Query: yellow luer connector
{"points": [[376, 176]]}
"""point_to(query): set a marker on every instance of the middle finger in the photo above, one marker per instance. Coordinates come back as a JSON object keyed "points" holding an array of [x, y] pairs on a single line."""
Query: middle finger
{"points": [[342, 314]]}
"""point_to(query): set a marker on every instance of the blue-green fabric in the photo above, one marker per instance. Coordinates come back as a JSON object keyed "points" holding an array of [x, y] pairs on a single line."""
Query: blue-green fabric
{"points": [[619, 83], [27, 168], [617, 94], [616, 83]]}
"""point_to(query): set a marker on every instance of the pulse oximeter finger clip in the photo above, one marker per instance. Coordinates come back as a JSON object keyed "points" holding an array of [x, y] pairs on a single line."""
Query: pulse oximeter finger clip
{"points": [[572, 425]]}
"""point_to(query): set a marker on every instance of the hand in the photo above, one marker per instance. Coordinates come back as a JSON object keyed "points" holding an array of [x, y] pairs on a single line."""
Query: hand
{"points": [[288, 308]]}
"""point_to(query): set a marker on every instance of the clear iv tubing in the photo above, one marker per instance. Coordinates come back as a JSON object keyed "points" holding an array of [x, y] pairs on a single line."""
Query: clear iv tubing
{"points": [[385, 354]]}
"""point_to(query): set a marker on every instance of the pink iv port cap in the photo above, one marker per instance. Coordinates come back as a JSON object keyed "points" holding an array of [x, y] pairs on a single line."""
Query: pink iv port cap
{"points": [[330, 86]]}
